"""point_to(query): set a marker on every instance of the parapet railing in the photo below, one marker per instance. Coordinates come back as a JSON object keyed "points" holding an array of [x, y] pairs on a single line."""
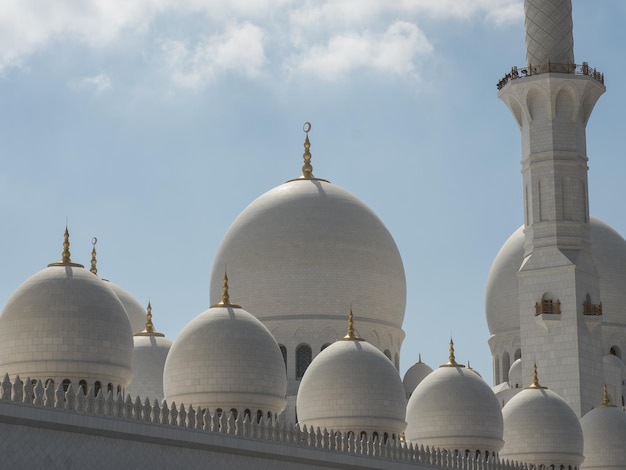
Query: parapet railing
{"points": [[33, 394], [530, 70]]}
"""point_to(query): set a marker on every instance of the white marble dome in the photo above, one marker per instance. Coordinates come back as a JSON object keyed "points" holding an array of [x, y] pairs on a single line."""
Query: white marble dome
{"points": [[352, 386], [414, 375], [225, 358], [604, 432], [64, 323], [150, 352], [502, 294], [540, 428], [299, 251], [136, 313], [454, 408]]}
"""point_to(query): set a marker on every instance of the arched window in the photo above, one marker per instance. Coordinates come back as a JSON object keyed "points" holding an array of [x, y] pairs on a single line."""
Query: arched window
{"points": [[97, 388], [66, 384], [517, 355], [246, 414], [83, 386], [110, 387], [50, 383], [388, 354], [283, 351], [304, 355], [616, 351], [506, 365], [259, 416], [233, 412]]}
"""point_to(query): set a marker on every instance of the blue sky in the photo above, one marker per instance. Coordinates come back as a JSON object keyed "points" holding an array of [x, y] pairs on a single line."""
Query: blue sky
{"points": [[151, 124]]}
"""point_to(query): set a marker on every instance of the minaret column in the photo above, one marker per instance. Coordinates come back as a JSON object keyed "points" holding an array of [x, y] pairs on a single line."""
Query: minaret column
{"points": [[552, 99]]}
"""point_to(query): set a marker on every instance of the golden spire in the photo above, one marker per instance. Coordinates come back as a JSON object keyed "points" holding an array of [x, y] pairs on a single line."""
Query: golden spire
{"points": [[350, 335], [225, 302], [93, 269], [606, 401], [65, 256], [451, 360], [535, 383], [149, 331], [307, 168]]}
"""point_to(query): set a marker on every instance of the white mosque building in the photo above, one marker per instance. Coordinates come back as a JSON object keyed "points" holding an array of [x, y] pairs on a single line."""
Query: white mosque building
{"points": [[295, 363]]}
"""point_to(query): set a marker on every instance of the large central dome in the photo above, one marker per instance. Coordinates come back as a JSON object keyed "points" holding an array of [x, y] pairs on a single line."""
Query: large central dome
{"points": [[299, 256], [307, 249]]}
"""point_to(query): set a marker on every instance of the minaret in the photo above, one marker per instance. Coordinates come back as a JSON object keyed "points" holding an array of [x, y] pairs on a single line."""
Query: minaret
{"points": [[560, 306]]}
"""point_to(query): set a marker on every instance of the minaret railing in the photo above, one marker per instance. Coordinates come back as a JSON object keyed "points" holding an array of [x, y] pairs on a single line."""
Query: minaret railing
{"points": [[550, 67]]}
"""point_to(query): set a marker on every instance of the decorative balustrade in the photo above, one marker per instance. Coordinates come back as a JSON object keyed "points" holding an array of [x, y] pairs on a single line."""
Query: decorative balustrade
{"points": [[239, 425], [547, 306], [530, 70]]}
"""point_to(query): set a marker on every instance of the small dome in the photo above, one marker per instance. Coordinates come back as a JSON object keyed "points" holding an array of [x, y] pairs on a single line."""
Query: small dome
{"points": [[604, 432], [64, 323], [150, 352], [454, 408], [540, 428], [226, 358], [515, 374], [352, 386], [414, 375], [136, 313]]}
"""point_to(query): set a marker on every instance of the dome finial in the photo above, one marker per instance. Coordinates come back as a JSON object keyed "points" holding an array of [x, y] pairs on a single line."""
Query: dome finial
{"points": [[307, 168], [535, 383], [419, 358], [350, 335], [149, 331], [606, 400], [451, 359], [225, 302], [65, 256], [94, 261]]}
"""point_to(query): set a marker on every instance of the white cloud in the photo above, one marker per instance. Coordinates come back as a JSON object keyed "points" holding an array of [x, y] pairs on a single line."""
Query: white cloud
{"points": [[239, 50], [333, 13], [393, 51], [96, 83], [30, 26]]}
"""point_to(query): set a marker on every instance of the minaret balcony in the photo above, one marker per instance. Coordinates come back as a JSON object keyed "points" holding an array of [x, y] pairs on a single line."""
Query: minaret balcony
{"points": [[592, 313], [531, 70], [548, 313]]}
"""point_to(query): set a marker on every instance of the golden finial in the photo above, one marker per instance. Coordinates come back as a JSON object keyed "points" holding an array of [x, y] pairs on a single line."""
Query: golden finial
{"points": [[149, 331], [350, 335], [606, 401], [535, 383], [225, 302], [451, 360], [307, 168], [65, 256], [468, 364], [93, 269]]}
